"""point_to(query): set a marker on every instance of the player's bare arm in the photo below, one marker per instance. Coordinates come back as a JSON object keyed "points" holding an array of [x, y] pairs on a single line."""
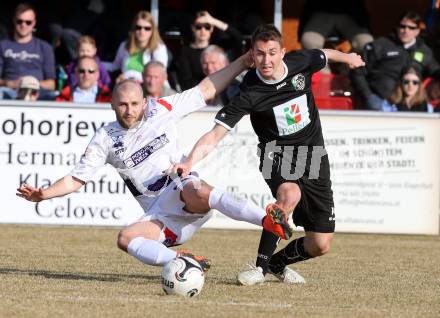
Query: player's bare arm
{"points": [[201, 149], [217, 82], [353, 60], [65, 185]]}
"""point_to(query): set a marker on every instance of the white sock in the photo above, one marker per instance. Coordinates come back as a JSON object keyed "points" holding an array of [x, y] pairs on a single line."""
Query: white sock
{"points": [[150, 252], [235, 208]]}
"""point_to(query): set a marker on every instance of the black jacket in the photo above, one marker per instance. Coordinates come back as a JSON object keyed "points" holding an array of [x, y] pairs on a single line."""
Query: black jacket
{"points": [[385, 60]]}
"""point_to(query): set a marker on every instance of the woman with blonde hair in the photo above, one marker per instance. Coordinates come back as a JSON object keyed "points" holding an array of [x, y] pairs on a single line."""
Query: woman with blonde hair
{"points": [[144, 44], [409, 94]]}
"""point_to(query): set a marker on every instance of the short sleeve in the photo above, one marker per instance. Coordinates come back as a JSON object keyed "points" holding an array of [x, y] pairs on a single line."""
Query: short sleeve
{"points": [[231, 114], [317, 59], [181, 104], [48, 61], [94, 157]]}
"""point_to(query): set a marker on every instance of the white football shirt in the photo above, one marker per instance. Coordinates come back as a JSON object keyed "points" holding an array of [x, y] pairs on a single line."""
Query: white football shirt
{"points": [[142, 154]]}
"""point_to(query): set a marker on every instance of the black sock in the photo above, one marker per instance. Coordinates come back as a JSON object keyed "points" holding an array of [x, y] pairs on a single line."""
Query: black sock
{"points": [[268, 244], [294, 252]]}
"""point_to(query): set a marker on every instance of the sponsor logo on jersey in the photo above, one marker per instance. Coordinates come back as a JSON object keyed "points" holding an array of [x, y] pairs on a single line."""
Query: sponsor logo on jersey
{"points": [[143, 153], [281, 85], [117, 141], [120, 150], [152, 113], [292, 116], [299, 82]]}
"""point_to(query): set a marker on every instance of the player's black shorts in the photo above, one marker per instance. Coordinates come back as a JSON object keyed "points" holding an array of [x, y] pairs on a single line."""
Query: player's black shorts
{"points": [[314, 211]]}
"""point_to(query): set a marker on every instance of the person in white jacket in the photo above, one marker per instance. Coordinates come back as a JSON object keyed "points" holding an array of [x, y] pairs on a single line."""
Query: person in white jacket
{"points": [[144, 44]]}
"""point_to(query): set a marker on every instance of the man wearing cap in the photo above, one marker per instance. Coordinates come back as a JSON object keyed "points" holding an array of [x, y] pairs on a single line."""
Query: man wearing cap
{"points": [[25, 54], [28, 89]]}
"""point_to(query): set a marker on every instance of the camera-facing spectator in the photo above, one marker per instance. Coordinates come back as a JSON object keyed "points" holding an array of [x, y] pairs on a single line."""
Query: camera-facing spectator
{"points": [[213, 59], [409, 94], [88, 89], [386, 57], [87, 47], [188, 67], [155, 80], [28, 89], [143, 45], [25, 54]]}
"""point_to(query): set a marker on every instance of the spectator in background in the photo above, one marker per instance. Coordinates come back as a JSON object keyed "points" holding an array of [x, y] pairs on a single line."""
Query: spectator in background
{"points": [[324, 18], [212, 59], [24, 55], [433, 90], [87, 47], [155, 79], [28, 89], [409, 94], [188, 67], [386, 57], [143, 45], [82, 17], [88, 89]]}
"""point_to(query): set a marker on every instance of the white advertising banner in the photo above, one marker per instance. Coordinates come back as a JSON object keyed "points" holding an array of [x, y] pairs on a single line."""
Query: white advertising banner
{"points": [[385, 172], [385, 169], [41, 144]]}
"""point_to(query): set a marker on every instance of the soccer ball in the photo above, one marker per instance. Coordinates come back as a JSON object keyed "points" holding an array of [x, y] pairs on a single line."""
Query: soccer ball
{"points": [[182, 276]]}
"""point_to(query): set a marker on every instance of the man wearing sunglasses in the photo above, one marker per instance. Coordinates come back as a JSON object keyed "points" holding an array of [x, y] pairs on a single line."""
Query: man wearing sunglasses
{"points": [[386, 57], [25, 55], [88, 90]]}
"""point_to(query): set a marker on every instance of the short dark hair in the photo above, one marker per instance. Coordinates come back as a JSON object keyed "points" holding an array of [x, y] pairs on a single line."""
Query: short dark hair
{"points": [[23, 7], [266, 32], [413, 16]]}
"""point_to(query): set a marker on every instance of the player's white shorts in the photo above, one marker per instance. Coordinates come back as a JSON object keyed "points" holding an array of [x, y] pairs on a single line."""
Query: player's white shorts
{"points": [[179, 225]]}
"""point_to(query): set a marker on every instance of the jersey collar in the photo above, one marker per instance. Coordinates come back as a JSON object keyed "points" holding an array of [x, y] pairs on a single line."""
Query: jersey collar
{"points": [[286, 71]]}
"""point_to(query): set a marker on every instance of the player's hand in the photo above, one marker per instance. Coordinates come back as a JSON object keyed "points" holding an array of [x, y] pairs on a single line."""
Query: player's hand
{"points": [[355, 60], [30, 193], [248, 59], [180, 169]]}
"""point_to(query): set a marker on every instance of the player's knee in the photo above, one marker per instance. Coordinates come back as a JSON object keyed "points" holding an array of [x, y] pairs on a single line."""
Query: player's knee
{"points": [[197, 196], [320, 248], [123, 240]]}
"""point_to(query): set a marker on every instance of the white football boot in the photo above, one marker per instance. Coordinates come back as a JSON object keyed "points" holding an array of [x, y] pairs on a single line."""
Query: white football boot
{"points": [[252, 276], [289, 276]]}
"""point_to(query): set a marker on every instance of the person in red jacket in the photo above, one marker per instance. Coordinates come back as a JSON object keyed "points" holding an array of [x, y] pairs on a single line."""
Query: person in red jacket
{"points": [[88, 90]]}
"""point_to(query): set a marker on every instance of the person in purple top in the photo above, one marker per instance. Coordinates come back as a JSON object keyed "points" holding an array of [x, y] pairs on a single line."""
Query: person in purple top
{"points": [[24, 55], [87, 47]]}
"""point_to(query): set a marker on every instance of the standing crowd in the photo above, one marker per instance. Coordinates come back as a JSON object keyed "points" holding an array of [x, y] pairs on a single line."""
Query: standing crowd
{"points": [[28, 69]]}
